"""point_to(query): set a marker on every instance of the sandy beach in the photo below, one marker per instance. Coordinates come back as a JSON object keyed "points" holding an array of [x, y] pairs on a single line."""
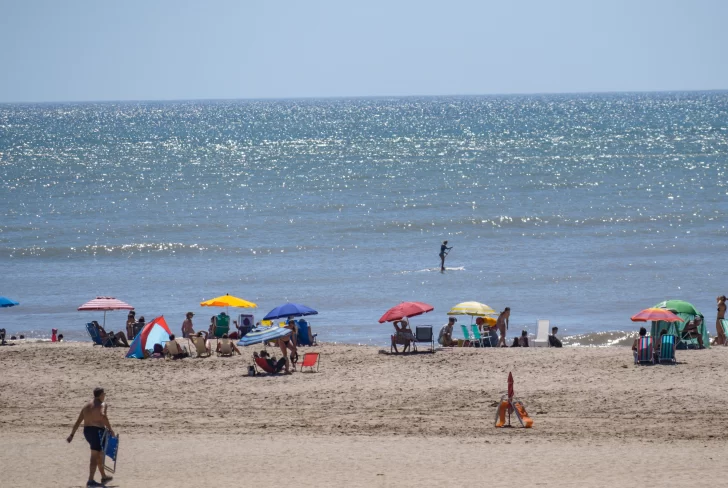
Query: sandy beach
{"points": [[368, 418]]}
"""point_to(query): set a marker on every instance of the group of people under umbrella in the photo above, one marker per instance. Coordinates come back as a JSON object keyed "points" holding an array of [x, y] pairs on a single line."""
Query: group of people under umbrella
{"points": [[485, 328], [149, 338]]}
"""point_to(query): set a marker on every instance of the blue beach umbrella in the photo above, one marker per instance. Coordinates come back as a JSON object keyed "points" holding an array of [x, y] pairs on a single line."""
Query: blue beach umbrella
{"points": [[258, 336], [290, 310], [6, 302]]}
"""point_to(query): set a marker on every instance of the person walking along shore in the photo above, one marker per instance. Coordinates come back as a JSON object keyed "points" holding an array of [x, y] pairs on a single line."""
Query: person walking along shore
{"points": [[95, 425]]}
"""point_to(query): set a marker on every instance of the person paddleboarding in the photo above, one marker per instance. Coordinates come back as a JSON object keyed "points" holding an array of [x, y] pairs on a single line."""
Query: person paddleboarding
{"points": [[444, 250]]}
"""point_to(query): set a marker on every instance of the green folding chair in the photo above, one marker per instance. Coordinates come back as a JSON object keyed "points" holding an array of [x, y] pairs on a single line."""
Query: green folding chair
{"points": [[667, 349], [476, 334], [466, 334]]}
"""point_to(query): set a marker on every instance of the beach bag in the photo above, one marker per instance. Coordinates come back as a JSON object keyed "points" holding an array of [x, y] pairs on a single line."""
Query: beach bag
{"points": [[251, 370]]}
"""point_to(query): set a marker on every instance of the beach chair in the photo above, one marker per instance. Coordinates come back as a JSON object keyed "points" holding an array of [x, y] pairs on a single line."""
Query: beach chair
{"points": [[476, 334], [198, 345], [110, 446], [174, 349], [259, 362], [226, 347], [303, 339], [399, 341], [466, 334], [94, 333], [423, 333], [667, 349], [542, 333], [645, 351], [310, 359], [222, 325]]}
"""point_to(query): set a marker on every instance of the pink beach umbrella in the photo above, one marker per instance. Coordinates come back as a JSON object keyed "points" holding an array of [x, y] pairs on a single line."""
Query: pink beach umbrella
{"points": [[104, 304]]}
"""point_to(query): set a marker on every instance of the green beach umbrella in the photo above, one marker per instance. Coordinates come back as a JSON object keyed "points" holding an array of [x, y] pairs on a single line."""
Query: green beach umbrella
{"points": [[678, 306]]}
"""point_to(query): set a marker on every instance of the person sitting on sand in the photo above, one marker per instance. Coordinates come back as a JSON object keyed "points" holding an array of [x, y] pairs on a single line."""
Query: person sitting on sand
{"points": [[521, 341], [219, 344], [117, 339], [445, 338], [553, 340], [276, 366], [502, 324], [403, 335], [187, 328], [636, 343], [692, 329]]}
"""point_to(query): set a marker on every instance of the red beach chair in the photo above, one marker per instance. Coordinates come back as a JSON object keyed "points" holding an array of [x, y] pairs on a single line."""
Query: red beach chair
{"points": [[263, 364], [310, 359]]}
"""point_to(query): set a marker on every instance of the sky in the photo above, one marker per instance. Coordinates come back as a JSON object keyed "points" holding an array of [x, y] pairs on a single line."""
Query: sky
{"points": [[91, 50]]}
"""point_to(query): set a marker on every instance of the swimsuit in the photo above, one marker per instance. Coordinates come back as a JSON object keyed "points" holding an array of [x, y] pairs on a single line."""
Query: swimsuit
{"points": [[93, 436]]}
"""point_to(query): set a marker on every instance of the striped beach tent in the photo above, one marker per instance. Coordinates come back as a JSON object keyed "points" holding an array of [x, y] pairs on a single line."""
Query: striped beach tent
{"points": [[155, 332]]}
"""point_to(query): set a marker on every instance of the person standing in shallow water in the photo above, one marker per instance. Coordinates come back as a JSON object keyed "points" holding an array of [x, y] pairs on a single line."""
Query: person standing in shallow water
{"points": [[443, 252]]}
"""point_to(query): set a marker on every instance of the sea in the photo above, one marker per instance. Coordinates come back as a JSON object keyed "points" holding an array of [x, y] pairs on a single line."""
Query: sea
{"points": [[580, 209]]}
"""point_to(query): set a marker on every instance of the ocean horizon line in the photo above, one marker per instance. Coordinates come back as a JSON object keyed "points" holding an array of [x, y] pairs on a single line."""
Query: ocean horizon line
{"points": [[367, 97]]}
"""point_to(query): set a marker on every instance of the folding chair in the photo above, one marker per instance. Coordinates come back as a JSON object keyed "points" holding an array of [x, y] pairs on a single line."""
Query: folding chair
{"points": [[542, 333], [199, 346], [645, 351], [667, 349], [476, 334], [94, 333], [259, 362], [424, 334], [466, 334], [110, 446], [310, 359], [226, 347]]}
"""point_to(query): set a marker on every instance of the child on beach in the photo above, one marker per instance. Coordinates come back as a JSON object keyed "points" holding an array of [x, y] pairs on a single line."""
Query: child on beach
{"points": [[95, 425]]}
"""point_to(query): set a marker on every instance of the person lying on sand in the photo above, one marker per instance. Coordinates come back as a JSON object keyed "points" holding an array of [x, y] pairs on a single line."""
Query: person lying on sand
{"points": [[95, 424]]}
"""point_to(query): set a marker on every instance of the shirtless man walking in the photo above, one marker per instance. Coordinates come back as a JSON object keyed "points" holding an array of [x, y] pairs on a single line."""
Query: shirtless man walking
{"points": [[95, 424]]}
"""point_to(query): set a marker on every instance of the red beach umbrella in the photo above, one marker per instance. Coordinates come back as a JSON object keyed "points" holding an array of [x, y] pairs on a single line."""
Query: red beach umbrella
{"points": [[104, 304], [656, 314], [405, 309]]}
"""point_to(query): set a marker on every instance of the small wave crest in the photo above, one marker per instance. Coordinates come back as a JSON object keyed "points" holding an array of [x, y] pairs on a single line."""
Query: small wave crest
{"points": [[600, 339], [432, 270]]}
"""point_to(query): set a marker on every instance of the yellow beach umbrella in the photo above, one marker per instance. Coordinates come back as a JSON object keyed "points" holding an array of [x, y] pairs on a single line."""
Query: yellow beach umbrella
{"points": [[228, 301], [476, 309]]}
